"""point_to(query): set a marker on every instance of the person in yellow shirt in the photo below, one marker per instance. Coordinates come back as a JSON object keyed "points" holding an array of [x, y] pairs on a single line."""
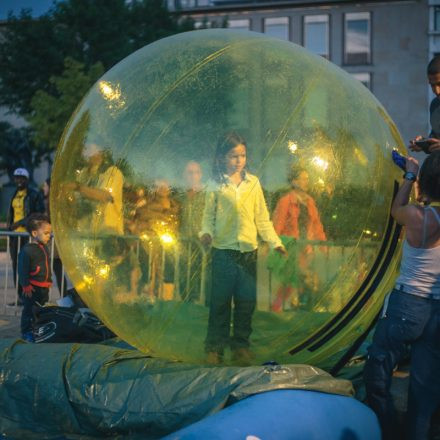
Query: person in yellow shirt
{"points": [[102, 185], [24, 202]]}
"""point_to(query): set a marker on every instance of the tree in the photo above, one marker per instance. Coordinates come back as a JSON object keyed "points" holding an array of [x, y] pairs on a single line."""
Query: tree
{"points": [[89, 31], [30, 53], [40, 57], [18, 150], [50, 112]]}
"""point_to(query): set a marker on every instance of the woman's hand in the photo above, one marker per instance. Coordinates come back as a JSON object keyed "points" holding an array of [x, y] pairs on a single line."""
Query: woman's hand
{"points": [[412, 165], [281, 250], [434, 144], [412, 144], [206, 240]]}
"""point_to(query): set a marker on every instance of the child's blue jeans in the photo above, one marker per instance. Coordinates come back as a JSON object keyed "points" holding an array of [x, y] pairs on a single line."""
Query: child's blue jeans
{"points": [[233, 280], [408, 320]]}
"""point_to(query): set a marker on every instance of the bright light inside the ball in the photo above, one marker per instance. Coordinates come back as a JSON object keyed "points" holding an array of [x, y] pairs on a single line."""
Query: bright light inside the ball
{"points": [[104, 271], [108, 91], [88, 280], [292, 146], [89, 254], [320, 163], [166, 238], [144, 237]]}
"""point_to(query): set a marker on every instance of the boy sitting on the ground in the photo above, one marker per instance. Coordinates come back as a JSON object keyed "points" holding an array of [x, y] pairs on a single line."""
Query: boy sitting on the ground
{"points": [[34, 274]]}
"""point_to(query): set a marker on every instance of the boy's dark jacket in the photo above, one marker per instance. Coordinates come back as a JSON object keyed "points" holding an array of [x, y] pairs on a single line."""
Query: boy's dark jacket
{"points": [[34, 266]]}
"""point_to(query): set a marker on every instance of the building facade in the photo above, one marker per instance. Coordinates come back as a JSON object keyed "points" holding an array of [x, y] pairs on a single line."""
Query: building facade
{"points": [[384, 44]]}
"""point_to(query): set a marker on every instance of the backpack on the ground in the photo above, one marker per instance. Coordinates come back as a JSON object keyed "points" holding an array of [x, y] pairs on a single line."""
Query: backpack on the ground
{"points": [[68, 324]]}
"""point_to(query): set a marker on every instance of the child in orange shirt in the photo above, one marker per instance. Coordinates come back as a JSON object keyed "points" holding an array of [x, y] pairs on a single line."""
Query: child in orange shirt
{"points": [[297, 216]]}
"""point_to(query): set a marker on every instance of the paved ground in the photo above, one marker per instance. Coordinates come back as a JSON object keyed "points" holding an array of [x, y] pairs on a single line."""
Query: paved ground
{"points": [[9, 326]]}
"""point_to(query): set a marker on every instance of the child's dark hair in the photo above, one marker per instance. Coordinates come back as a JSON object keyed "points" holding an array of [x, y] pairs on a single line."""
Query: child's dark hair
{"points": [[434, 66], [429, 177], [35, 221], [294, 172], [224, 145]]}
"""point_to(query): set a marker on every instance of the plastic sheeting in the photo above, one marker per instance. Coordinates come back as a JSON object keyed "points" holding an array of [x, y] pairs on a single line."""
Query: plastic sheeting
{"points": [[104, 390]]}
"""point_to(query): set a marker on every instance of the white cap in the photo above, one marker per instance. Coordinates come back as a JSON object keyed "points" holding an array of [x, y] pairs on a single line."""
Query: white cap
{"points": [[22, 172]]}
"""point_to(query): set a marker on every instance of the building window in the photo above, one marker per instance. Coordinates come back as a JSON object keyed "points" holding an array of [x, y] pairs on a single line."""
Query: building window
{"points": [[187, 4], [277, 27], [198, 24], [239, 24], [437, 18], [205, 23], [364, 78], [316, 34], [357, 38]]}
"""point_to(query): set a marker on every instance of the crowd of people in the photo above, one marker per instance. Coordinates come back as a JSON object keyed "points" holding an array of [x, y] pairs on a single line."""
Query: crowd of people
{"points": [[226, 217], [204, 222], [410, 319]]}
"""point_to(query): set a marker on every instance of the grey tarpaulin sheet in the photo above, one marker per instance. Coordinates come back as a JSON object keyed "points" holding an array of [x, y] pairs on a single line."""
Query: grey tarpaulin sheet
{"points": [[93, 390]]}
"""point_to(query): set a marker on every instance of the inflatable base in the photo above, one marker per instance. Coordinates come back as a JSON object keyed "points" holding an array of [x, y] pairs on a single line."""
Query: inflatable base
{"points": [[287, 415]]}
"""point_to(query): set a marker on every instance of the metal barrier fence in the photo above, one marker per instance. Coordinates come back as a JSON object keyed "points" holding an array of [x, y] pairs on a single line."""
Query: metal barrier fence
{"points": [[159, 256], [156, 252]]}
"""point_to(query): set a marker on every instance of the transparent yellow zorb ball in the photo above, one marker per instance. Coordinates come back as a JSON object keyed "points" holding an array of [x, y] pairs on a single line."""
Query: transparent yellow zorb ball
{"points": [[137, 182]]}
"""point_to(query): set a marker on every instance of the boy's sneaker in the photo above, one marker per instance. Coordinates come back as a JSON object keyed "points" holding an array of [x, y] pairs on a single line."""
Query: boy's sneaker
{"points": [[28, 337]]}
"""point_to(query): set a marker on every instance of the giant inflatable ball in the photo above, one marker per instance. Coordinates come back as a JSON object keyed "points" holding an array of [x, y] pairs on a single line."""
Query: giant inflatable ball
{"points": [[137, 179]]}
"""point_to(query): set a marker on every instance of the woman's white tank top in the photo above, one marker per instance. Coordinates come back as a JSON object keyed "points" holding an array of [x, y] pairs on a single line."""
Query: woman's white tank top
{"points": [[420, 267]]}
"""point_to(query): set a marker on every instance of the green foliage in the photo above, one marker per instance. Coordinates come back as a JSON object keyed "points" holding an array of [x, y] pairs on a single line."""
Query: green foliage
{"points": [[105, 31], [49, 63], [149, 21], [18, 150], [31, 52], [50, 112]]}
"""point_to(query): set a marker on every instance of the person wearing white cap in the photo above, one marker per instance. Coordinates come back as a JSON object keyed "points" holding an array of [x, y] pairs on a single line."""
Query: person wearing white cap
{"points": [[101, 182], [24, 202]]}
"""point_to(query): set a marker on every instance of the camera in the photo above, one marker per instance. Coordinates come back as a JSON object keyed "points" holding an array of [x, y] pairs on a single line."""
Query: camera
{"points": [[424, 144]]}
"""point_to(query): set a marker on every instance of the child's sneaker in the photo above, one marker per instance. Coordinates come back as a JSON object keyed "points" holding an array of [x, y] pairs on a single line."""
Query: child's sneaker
{"points": [[28, 337], [214, 358], [242, 356]]}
